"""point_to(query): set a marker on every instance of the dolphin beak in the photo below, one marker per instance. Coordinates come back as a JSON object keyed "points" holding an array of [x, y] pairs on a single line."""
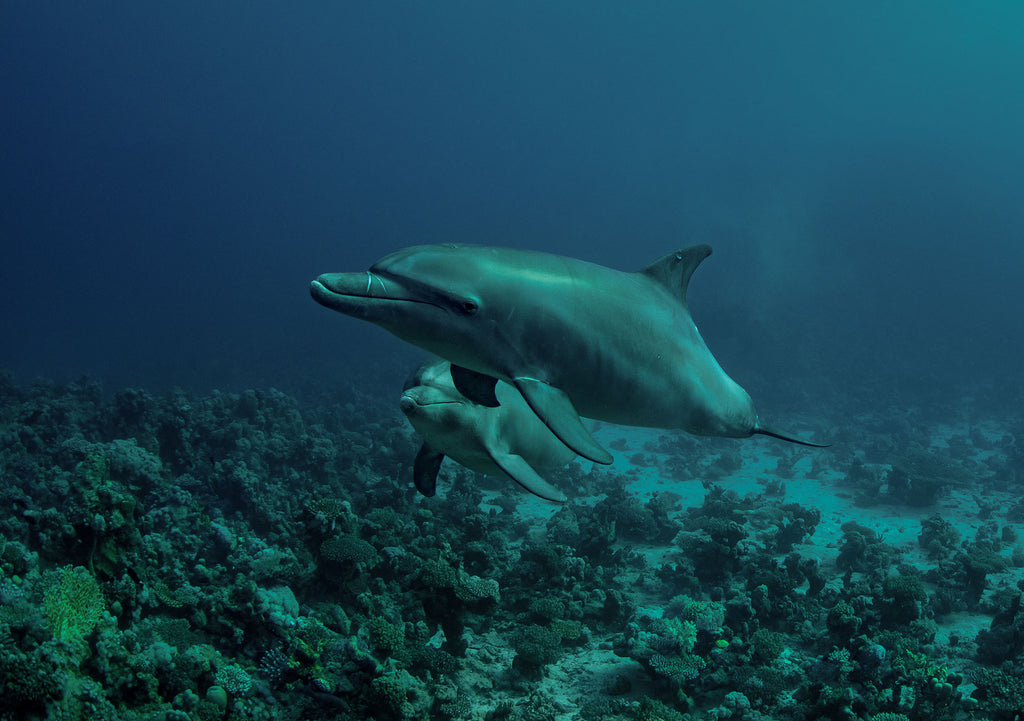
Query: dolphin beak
{"points": [[407, 404], [355, 294], [326, 288], [362, 295]]}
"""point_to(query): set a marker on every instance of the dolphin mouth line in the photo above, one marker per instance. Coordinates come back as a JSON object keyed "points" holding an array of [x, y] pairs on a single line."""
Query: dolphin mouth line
{"points": [[424, 404], [327, 291]]}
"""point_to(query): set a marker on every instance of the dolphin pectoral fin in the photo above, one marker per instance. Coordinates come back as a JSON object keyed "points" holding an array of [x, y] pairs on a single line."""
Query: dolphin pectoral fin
{"points": [[522, 473], [553, 407], [424, 470], [477, 387], [788, 438]]}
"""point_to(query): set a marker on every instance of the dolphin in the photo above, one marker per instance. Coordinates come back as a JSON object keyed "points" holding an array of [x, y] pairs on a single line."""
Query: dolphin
{"points": [[504, 440], [575, 338]]}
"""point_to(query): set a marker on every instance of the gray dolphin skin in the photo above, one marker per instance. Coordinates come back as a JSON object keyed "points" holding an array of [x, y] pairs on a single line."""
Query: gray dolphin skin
{"points": [[574, 337], [504, 440]]}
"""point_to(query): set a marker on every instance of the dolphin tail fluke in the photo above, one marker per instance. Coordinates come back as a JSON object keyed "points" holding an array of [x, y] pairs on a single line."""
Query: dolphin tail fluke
{"points": [[788, 438], [553, 407]]}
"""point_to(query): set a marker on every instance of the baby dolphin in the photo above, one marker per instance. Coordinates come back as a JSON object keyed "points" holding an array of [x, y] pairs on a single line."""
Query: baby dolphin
{"points": [[574, 337], [504, 440]]}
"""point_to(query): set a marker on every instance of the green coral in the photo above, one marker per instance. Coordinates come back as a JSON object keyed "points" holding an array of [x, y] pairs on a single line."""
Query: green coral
{"points": [[547, 608], [939, 537], [767, 645], [313, 640], [706, 615], [909, 656], [389, 692], [677, 669], [173, 599], [904, 589], [330, 508], [94, 469], [920, 475], [536, 647], [568, 629], [73, 604], [349, 549], [999, 693], [843, 621], [432, 659], [385, 636], [905, 596], [684, 632], [654, 710], [28, 682], [767, 682], [473, 588], [234, 679], [438, 574]]}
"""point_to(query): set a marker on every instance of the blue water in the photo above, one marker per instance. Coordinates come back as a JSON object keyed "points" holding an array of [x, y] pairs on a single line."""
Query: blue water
{"points": [[174, 175]]}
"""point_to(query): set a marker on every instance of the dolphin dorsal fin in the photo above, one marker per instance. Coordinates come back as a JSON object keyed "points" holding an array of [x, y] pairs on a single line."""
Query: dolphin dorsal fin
{"points": [[674, 270]]}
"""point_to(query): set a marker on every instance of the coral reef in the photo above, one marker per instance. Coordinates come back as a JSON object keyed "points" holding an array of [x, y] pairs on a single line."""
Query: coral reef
{"points": [[248, 556]]}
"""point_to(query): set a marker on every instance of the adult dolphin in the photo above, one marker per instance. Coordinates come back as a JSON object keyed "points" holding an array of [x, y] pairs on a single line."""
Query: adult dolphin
{"points": [[505, 440], [574, 337]]}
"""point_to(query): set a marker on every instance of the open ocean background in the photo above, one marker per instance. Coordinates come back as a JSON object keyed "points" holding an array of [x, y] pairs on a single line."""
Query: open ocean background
{"points": [[206, 508], [175, 174]]}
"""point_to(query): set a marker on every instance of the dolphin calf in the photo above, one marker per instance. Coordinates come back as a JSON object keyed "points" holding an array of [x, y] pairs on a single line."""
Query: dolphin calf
{"points": [[575, 338], [504, 440]]}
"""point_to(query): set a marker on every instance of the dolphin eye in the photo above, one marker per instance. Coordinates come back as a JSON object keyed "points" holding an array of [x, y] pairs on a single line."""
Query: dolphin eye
{"points": [[470, 306]]}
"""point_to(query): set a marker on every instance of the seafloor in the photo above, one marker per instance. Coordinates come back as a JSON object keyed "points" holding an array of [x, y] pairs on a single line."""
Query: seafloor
{"points": [[251, 556]]}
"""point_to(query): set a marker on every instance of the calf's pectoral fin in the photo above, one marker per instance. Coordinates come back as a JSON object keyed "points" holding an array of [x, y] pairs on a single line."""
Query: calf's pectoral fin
{"points": [[424, 470], [522, 473], [477, 387], [553, 407]]}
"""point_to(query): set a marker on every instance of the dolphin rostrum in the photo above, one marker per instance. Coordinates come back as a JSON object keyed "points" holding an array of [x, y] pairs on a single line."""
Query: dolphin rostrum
{"points": [[574, 337], [504, 440]]}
